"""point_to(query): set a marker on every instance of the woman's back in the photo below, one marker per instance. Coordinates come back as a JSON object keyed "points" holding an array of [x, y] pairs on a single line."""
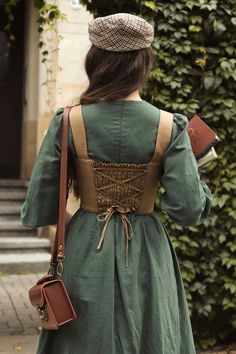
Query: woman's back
{"points": [[120, 268], [132, 309], [121, 131]]}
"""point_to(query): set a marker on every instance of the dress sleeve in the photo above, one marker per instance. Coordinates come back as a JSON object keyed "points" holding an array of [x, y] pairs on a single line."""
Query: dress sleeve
{"points": [[42, 200], [186, 198]]}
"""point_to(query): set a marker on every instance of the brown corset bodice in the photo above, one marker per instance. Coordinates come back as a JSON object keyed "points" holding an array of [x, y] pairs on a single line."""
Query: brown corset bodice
{"points": [[106, 188]]}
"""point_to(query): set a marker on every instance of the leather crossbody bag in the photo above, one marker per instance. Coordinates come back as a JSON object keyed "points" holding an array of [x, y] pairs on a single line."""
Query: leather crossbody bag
{"points": [[49, 295]]}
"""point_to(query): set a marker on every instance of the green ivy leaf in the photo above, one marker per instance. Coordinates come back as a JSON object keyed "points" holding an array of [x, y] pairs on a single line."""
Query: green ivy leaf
{"points": [[233, 20], [219, 26], [206, 343], [151, 5], [194, 28], [195, 71]]}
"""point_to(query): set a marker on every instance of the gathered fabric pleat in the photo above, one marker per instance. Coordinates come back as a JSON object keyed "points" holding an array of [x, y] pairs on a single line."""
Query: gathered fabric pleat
{"points": [[121, 310]]}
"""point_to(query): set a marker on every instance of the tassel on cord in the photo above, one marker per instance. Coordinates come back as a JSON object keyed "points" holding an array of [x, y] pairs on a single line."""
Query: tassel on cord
{"points": [[105, 216]]}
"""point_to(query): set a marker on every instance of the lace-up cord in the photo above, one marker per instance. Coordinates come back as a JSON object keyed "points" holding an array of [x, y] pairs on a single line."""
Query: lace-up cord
{"points": [[106, 216], [119, 188], [107, 188], [119, 184]]}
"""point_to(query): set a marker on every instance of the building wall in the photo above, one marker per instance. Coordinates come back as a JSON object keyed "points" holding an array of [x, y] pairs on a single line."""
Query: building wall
{"points": [[53, 84], [67, 78], [31, 92], [72, 80]]}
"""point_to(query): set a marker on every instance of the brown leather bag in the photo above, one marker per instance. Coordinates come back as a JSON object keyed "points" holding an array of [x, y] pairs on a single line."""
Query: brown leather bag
{"points": [[49, 295]]}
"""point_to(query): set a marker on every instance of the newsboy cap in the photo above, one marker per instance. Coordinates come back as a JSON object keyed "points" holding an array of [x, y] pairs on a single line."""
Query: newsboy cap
{"points": [[121, 32]]}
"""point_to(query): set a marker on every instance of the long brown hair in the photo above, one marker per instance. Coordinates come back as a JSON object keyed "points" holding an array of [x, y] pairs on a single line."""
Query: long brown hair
{"points": [[114, 75]]}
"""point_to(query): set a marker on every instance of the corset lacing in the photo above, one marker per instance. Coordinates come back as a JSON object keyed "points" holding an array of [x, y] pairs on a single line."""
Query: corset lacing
{"points": [[119, 188], [105, 217], [107, 188]]}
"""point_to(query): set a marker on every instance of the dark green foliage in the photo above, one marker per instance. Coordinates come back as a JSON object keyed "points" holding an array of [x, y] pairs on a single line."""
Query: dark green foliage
{"points": [[9, 10], [48, 15], [195, 71]]}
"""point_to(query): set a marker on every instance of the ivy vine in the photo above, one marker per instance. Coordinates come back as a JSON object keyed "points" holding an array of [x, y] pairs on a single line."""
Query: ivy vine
{"points": [[8, 8], [48, 16], [195, 71]]}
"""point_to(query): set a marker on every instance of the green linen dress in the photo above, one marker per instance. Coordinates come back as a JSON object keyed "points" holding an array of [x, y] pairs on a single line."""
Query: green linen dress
{"points": [[141, 309]]}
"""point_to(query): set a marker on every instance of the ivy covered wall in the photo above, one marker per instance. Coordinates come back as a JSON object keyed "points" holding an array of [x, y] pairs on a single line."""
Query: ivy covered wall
{"points": [[195, 71]]}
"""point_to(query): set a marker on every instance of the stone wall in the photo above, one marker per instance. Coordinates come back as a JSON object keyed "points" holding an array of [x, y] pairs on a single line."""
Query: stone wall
{"points": [[53, 84], [63, 73], [30, 92], [56, 83]]}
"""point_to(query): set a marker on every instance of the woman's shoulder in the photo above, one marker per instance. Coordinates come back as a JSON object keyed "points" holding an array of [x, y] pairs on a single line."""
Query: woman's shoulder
{"points": [[180, 120], [130, 104], [58, 113], [142, 107], [56, 117], [179, 128]]}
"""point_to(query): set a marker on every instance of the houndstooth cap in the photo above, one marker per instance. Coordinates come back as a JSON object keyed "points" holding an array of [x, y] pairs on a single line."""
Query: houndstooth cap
{"points": [[121, 32]]}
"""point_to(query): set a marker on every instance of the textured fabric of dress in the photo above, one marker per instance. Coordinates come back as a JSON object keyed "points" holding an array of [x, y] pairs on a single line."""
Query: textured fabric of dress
{"points": [[139, 309]]}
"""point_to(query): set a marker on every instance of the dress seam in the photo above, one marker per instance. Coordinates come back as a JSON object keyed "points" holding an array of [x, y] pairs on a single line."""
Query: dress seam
{"points": [[121, 117]]}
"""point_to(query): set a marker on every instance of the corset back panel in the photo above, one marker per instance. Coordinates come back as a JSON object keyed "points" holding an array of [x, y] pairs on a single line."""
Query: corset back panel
{"points": [[119, 184], [150, 188], [84, 174], [129, 186]]}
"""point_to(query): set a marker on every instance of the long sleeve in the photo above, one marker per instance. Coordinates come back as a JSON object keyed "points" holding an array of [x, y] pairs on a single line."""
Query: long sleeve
{"points": [[186, 198], [42, 200]]}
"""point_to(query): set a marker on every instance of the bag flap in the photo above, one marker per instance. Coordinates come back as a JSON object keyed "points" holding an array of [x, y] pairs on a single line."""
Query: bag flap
{"points": [[45, 278], [36, 295]]}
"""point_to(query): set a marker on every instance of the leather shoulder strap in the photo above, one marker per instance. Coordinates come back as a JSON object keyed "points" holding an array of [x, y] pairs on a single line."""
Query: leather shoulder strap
{"points": [[78, 132], [163, 135], [59, 242]]}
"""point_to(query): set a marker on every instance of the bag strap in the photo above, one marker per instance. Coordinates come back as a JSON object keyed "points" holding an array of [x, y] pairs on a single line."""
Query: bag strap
{"points": [[78, 132], [58, 253], [163, 135]]}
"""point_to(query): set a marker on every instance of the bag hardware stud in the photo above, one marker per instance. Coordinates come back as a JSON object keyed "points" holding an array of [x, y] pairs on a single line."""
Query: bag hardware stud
{"points": [[42, 313]]}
